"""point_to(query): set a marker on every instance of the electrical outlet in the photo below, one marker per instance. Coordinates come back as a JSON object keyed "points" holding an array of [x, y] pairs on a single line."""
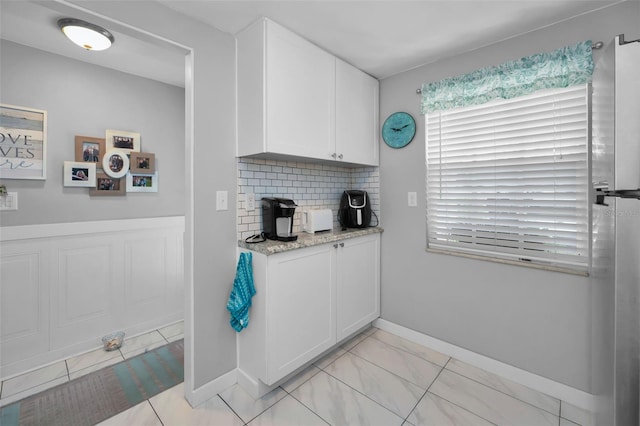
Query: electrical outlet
{"points": [[9, 201], [412, 199], [250, 201], [221, 200]]}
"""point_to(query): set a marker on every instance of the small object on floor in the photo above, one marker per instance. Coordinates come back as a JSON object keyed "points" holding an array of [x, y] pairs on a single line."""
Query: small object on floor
{"points": [[97, 396], [113, 341]]}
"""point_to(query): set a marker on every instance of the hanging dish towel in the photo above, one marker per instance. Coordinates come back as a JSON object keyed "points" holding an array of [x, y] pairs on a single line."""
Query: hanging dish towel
{"points": [[241, 294]]}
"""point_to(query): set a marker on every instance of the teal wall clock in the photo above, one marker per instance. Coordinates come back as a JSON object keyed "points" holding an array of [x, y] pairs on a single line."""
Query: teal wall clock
{"points": [[398, 129]]}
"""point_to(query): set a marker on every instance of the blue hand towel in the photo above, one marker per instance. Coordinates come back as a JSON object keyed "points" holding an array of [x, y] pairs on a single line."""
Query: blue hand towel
{"points": [[241, 294]]}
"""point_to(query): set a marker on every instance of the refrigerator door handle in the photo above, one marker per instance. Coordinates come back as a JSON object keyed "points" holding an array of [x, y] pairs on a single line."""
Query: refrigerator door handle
{"points": [[621, 193]]}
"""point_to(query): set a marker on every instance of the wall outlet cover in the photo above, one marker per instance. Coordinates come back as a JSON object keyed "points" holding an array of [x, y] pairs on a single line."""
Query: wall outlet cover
{"points": [[412, 199]]}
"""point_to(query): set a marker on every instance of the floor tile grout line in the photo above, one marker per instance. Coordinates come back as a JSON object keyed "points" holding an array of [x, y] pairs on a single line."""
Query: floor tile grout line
{"points": [[406, 419], [309, 408], [238, 415], [66, 365], [463, 408], [444, 367], [511, 396], [504, 378], [476, 414], [155, 412], [314, 375], [391, 372], [356, 390], [402, 351]]}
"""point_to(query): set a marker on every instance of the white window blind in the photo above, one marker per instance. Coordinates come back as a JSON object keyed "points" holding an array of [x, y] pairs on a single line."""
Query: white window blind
{"points": [[509, 179]]}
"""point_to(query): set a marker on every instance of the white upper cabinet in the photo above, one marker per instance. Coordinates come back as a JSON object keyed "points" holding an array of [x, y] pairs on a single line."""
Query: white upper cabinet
{"points": [[295, 99], [356, 115]]}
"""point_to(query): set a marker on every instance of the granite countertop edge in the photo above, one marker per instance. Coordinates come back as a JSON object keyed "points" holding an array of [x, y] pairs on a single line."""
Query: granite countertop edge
{"points": [[304, 240]]}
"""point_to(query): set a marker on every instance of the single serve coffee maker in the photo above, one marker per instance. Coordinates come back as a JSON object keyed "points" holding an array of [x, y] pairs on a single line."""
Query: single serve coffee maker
{"points": [[277, 218]]}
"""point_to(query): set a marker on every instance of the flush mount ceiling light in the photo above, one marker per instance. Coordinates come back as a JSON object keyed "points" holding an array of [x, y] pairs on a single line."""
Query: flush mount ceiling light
{"points": [[86, 35]]}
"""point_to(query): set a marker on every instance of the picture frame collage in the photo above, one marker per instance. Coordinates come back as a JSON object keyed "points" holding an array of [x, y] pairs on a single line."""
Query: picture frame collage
{"points": [[111, 166]]}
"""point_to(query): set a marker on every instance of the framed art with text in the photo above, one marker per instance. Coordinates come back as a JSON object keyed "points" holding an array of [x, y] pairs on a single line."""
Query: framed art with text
{"points": [[23, 143]]}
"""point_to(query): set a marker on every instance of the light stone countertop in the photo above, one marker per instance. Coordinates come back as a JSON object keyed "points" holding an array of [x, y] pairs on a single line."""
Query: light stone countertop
{"points": [[307, 240]]}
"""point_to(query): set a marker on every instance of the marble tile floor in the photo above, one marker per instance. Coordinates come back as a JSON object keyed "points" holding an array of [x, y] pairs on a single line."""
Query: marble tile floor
{"points": [[376, 378], [38, 380]]}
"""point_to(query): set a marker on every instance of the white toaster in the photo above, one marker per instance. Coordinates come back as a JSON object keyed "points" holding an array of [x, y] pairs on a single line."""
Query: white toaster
{"points": [[317, 220]]}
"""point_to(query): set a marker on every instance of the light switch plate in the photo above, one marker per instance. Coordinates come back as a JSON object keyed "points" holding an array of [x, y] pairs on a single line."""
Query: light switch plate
{"points": [[9, 201], [412, 199], [221, 200]]}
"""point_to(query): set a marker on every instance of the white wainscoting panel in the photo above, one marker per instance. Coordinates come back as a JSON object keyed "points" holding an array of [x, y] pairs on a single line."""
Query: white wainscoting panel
{"points": [[24, 298], [64, 286]]}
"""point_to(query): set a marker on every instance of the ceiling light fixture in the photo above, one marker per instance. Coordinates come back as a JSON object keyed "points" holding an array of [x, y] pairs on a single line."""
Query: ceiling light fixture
{"points": [[86, 35]]}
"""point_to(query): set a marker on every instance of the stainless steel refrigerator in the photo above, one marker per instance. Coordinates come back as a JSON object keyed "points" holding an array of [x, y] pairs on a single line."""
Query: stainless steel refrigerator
{"points": [[615, 276]]}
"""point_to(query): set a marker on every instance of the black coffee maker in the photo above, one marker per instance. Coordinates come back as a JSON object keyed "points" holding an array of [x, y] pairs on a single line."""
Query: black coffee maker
{"points": [[277, 218]]}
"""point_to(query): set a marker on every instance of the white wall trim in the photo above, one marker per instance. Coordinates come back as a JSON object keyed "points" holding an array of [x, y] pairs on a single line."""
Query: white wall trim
{"points": [[67, 285], [552, 388], [211, 389], [25, 232]]}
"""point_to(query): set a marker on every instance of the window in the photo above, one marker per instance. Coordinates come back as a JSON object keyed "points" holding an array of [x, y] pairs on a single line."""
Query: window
{"points": [[509, 179]]}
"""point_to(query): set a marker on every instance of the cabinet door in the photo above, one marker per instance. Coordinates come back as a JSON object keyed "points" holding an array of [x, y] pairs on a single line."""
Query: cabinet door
{"points": [[301, 308], [300, 94], [358, 284], [356, 115]]}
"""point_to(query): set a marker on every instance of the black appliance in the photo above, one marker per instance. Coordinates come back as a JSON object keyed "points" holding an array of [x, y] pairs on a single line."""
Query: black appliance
{"points": [[277, 218], [355, 209]]}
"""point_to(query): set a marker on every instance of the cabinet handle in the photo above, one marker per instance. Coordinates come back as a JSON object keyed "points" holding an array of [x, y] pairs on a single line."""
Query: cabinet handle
{"points": [[340, 156], [335, 246], [341, 244], [333, 155]]}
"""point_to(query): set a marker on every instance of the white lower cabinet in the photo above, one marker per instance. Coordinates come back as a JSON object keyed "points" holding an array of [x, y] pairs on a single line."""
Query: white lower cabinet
{"points": [[358, 284], [307, 300], [300, 308]]}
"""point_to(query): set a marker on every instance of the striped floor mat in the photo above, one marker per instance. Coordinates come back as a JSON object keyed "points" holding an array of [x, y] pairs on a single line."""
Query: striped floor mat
{"points": [[97, 396]]}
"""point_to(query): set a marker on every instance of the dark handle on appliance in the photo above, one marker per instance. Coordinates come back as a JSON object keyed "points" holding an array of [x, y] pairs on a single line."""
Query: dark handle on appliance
{"points": [[622, 193]]}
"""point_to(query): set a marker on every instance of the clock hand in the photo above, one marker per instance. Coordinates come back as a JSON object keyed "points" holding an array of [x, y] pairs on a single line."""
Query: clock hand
{"points": [[404, 126]]}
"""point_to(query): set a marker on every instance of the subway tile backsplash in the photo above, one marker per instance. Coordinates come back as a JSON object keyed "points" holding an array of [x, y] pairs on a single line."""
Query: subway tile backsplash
{"points": [[310, 185]]}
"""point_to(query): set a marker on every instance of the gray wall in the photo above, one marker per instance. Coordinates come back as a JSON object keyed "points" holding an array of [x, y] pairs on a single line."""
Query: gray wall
{"points": [[84, 99], [210, 341], [536, 320]]}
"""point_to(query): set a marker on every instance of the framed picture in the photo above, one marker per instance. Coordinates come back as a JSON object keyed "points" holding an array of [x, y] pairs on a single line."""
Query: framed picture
{"points": [[125, 141], [142, 162], [108, 186], [90, 150], [115, 163], [79, 174], [23, 143], [142, 183]]}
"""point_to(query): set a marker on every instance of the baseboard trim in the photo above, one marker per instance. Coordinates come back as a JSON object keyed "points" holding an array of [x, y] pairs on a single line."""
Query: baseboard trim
{"points": [[211, 389], [552, 388], [254, 387]]}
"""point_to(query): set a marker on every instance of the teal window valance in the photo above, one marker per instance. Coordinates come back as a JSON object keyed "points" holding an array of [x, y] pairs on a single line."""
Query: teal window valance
{"points": [[567, 66]]}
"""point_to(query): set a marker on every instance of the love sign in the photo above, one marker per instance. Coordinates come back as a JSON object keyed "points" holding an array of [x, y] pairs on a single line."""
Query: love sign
{"points": [[23, 145]]}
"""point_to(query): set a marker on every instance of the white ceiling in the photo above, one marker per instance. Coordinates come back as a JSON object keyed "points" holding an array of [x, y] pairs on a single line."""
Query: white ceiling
{"points": [[382, 38]]}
